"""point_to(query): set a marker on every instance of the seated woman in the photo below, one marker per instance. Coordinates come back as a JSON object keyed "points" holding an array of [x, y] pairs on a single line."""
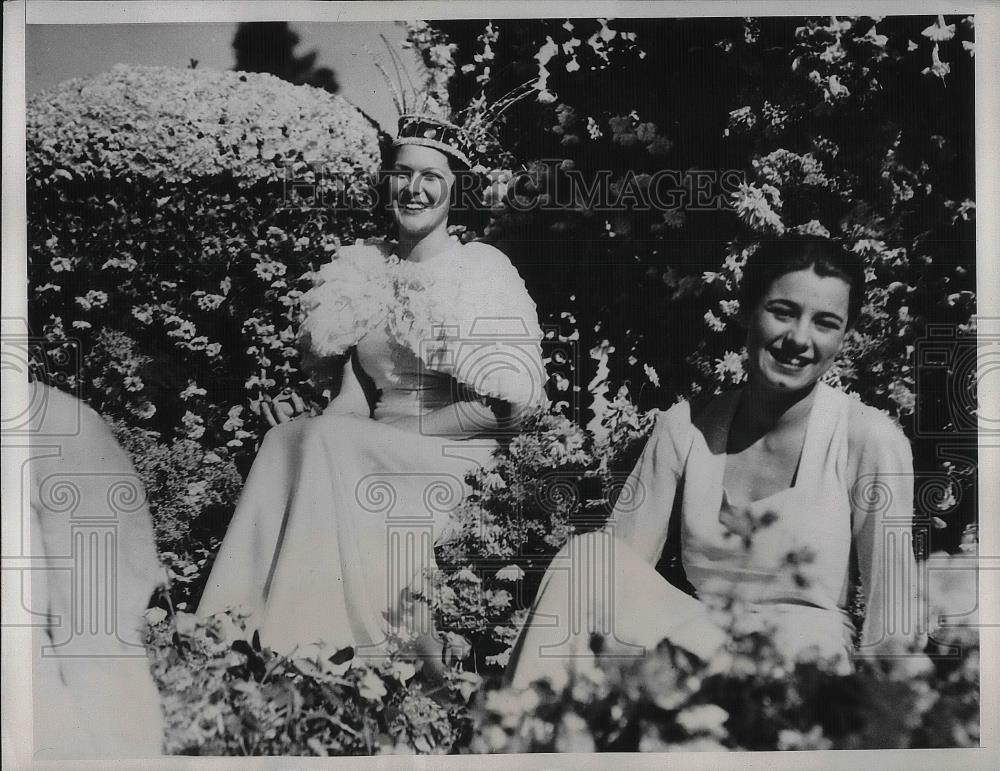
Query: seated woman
{"points": [[786, 488], [94, 571], [340, 512]]}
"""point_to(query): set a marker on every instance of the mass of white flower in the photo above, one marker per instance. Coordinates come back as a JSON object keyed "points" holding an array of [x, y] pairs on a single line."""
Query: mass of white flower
{"points": [[176, 124]]}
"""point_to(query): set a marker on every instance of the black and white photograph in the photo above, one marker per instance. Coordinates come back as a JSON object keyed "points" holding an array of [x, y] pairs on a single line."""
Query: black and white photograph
{"points": [[511, 379]]}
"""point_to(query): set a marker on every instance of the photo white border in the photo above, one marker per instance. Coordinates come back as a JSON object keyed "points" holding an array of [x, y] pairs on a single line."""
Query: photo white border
{"points": [[16, 730]]}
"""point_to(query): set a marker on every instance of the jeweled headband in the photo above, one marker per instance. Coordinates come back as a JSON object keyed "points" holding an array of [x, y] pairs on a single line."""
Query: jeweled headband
{"points": [[428, 131]]}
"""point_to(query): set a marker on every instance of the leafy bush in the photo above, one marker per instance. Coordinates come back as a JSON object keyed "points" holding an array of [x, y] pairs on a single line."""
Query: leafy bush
{"points": [[222, 699], [191, 492]]}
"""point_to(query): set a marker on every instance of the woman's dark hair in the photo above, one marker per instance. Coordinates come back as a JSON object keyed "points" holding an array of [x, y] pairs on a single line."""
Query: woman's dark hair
{"points": [[787, 254]]}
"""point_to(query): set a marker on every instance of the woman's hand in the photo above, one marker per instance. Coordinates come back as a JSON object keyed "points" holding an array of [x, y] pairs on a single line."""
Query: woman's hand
{"points": [[286, 407]]}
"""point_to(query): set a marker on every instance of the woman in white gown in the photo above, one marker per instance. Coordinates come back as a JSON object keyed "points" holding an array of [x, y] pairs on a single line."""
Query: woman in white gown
{"points": [[94, 570], [788, 489], [340, 512]]}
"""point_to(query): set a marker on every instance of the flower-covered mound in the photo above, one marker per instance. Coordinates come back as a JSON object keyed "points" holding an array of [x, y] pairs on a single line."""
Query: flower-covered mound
{"points": [[171, 125]]}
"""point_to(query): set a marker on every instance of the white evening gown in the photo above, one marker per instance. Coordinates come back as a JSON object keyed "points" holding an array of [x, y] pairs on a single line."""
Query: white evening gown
{"points": [[340, 512], [842, 514]]}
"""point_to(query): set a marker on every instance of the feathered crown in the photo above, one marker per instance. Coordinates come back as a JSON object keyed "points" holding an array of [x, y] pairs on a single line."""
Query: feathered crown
{"points": [[469, 135]]}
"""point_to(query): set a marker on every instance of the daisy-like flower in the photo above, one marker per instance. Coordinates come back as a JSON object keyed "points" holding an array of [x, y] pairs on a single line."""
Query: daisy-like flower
{"points": [[210, 302], [268, 270]]}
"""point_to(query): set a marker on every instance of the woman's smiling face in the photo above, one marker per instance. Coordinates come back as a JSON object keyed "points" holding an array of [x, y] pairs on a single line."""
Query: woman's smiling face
{"points": [[797, 329], [420, 184]]}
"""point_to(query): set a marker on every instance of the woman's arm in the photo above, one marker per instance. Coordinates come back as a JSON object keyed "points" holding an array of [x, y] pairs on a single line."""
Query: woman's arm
{"points": [[882, 521], [642, 513]]}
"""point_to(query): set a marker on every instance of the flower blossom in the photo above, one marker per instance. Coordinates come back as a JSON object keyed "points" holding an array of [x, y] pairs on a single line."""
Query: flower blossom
{"points": [[371, 687], [192, 389], [93, 299], [938, 68], [714, 322], [510, 573], [704, 718], [194, 424], [939, 32], [730, 367], [756, 207]]}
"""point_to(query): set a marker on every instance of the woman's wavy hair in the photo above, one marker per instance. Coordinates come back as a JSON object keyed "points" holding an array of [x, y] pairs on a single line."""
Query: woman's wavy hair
{"points": [[790, 253]]}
